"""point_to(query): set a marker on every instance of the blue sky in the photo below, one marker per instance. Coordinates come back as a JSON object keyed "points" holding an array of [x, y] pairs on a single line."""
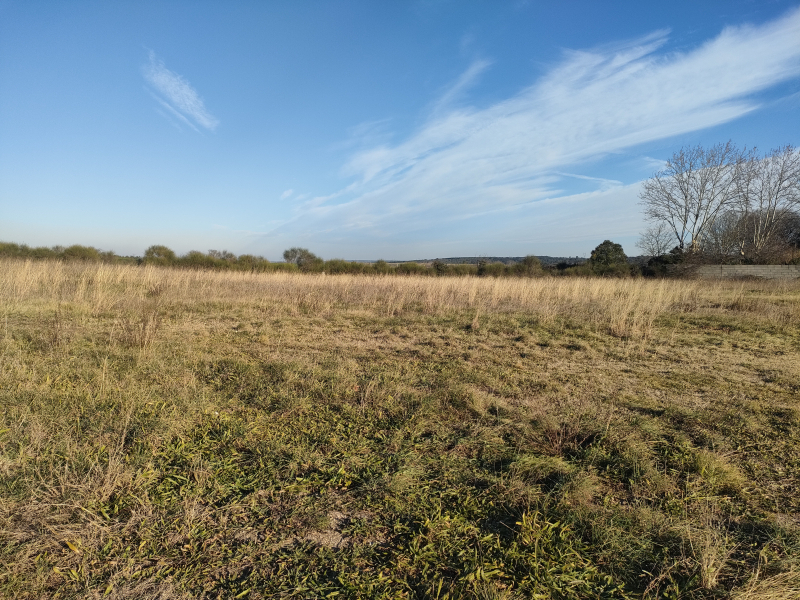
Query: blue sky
{"points": [[367, 130]]}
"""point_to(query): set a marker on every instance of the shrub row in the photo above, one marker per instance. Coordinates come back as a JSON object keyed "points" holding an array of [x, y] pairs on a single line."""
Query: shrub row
{"points": [[307, 262], [69, 253]]}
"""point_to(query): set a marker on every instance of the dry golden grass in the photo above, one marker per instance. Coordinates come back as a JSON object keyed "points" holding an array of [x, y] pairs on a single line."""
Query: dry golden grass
{"points": [[625, 307], [784, 586], [170, 433]]}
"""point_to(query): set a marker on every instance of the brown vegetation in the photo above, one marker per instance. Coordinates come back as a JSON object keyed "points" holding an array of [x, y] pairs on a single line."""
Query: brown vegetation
{"points": [[175, 433]]}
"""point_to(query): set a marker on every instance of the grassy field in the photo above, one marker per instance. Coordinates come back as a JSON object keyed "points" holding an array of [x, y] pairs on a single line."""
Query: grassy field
{"points": [[180, 434]]}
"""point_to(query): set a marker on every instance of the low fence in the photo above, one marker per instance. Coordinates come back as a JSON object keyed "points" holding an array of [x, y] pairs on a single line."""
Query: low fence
{"points": [[761, 271]]}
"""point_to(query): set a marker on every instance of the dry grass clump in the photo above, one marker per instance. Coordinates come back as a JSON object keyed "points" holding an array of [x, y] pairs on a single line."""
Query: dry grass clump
{"points": [[177, 434], [784, 586]]}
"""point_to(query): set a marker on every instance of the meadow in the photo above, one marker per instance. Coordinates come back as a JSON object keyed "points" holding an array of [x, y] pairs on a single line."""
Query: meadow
{"points": [[176, 434]]}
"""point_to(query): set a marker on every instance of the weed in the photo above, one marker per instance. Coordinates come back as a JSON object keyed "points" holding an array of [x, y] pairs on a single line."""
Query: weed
{"points": [[142, 320]]}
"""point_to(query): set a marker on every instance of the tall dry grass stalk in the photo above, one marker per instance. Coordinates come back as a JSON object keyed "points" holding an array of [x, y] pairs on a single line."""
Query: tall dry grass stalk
{"points": [[622, 307]]}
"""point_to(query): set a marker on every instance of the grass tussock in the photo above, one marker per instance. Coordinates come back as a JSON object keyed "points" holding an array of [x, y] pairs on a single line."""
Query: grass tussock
{"points": [[182, 434]]}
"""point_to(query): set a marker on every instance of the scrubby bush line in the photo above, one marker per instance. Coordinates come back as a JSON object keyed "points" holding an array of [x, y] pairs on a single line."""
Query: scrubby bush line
{"points": [[295, 260], [70, 253], [608, 260]]}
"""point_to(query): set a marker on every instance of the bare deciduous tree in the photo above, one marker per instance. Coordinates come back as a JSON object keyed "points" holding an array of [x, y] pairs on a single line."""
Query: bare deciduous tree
{"points": [[723, 237], [691, 192], [768, 194], [656, 240]]}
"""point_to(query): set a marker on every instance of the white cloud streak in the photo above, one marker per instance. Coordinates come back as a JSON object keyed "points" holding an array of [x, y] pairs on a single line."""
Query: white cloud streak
{"points": [[507, 157], [177, 95], [462, 84]]}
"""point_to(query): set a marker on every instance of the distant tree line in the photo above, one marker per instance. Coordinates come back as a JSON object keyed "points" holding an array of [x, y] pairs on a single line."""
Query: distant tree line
{"points": [[724, 205], [211, 260], [608, 259], [67, 253]]}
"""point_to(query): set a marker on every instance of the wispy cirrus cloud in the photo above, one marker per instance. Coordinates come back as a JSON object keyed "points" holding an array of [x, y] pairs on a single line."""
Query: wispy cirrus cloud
{"points": [[504, 159], [176, 95], [467, 79]]}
